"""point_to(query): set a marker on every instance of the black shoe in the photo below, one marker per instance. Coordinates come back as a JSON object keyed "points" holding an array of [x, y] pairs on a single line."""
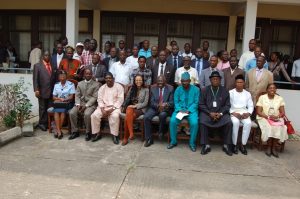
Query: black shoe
{"points": [[115, 139], [96, 137], [60, 136], [74, 135], [235, 149], [243, 149], [171, 146], [88, 136], [148, 143], [42, 127], [160, 136], [275, 153], [205, 150], [193, 149], [227, 150]]}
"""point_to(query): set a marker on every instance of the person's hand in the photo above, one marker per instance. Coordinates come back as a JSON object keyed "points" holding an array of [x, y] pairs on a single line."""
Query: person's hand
{"points": [[213, 115], [37, 94], [104, 113], [82, 108], [237, 115], [293, 82], [274, 118], [245, 115]]}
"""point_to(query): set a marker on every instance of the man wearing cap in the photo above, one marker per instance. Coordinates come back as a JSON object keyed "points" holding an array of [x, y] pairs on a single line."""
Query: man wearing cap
{"points": [[214, 113], [79, 50], [186, 99]]}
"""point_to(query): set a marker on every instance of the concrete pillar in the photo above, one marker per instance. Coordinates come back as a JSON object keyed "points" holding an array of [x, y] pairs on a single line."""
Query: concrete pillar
{"points": [[249, 23], [96, 27], [231, 33], [72, 20]]}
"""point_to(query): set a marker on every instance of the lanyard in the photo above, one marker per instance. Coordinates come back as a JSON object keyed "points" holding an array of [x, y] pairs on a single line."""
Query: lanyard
{"points": [[215, 95]]}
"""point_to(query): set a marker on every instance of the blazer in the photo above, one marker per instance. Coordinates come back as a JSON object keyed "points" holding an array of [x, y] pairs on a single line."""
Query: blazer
{"points": [[204, 77], [87, 93], [54, 60], [43, 81], [204, 66], [170, 61], [256, 87], [229, 79], [149, 62], [100, 72], [168, 97], [169, 73], [143, 99], [106, 62]]}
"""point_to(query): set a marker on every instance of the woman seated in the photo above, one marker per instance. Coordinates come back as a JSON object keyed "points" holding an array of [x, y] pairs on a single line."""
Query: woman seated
{"points": [[63, 97], [135, 105], [270, 113]]}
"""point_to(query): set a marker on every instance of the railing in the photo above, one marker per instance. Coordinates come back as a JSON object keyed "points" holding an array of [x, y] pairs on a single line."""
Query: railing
{"points": [[15, 70]]}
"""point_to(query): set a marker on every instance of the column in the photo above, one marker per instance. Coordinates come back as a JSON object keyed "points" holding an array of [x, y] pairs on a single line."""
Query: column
{"points": [[249, 23], [72, 20], [96, 27], [231, 33]]}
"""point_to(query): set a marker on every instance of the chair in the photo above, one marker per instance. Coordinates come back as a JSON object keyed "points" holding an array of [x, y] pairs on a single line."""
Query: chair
{"points": [[139, 120]]}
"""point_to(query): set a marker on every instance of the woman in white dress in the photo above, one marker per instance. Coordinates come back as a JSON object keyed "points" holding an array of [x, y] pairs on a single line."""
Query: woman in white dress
{"points": [[270, 112]]}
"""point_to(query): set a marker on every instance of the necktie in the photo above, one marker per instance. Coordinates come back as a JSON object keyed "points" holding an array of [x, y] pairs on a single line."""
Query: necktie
{"points": [[94, 70], [160, 96], [175, 62], [48, 68], [161, 70]]}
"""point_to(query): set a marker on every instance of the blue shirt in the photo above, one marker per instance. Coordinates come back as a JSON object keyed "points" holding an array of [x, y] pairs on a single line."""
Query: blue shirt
{"points": [[145, 53], [252, 64], [63, 91]]}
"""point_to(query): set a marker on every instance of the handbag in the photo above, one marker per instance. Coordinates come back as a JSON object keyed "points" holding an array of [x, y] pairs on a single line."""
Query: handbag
{"points": [[275, 123], [290, 128], [61, 105]]}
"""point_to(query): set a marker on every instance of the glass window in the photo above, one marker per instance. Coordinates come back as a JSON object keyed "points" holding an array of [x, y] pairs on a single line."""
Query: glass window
{"points": [[21, 41], [48, 40], [113, 38], [20, 22], [83, 24], [114, 24], [284, 48], [284, 33], [215, 45], [180, 41], [212, 29], [84, 36], [180, 28], [152, 40], [146, 26], [50, 23]]}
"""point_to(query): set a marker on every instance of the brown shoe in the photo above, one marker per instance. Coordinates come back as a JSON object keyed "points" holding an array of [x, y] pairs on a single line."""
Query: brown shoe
{"points": [[124, 142]]}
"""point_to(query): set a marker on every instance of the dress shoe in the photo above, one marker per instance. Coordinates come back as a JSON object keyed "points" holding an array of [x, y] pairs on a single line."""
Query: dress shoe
{"points": [[235, 149], [193, 149], [275, 153], [148, 143], [42, 127], [132, 137], [115, 139], [88, 136], [227, 150], [97, 137], [74, 135], [171, 146], [124, 142], [243, 149], [55, 135], [60, 136], [268, 152], [205, 150]]}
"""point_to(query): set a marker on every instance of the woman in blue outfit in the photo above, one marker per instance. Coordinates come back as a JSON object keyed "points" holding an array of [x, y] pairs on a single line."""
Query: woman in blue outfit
{"points": [[63, 91]]}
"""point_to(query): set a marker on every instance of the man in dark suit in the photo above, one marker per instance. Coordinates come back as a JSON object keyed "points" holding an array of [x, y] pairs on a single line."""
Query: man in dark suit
{"points": [[161, 104], [98, 70], [174, 59], [43, 83], [109, 61], [151, 61], [58, 56], [163, 68], [199, 63]]}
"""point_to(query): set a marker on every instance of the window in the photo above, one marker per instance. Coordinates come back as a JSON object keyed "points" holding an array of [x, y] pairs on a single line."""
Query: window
{"points": [[85, 31], [146, 29]]}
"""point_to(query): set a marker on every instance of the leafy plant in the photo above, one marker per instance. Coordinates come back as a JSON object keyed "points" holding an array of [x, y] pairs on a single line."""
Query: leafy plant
{"points": [[9, 120]]}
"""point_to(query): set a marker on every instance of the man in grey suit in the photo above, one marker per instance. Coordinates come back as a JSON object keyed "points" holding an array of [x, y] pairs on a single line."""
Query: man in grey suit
{"points": [[163, 68], [151, 61], [205, 74], [161, 104], [85, 103], [98, 70], [43, 83]]}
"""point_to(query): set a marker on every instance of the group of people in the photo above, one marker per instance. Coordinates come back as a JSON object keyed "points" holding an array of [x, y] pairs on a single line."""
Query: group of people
{"points": [[214, 94]]}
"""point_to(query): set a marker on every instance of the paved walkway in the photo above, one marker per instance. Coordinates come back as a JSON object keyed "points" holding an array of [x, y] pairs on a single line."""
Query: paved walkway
{"points": [[43, 167]]}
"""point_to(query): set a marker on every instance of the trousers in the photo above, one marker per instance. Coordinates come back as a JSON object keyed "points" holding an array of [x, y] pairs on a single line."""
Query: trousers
{"points": [[235, 129], [73, 114]]}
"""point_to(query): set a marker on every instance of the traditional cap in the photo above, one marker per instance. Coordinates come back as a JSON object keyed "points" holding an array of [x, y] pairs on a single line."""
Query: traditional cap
{"points": [[215, 74], [185, 76], [79, 44]]}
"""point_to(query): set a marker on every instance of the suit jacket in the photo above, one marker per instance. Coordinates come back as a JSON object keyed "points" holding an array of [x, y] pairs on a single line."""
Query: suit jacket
{"points": [[87, 93], [143, 99], [256, 87], [170, 61], [54, 60], [106, 62], [229, 79], [168, 97], [149, 62], [43, 81], [204, 77], [100, 72], [204, 66], [169, 73]]}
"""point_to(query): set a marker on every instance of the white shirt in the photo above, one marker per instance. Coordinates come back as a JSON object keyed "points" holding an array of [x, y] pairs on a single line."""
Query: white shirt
{"points": [[183, 54], [59, 58], [132, 62], [159, 68], [246, 56], [296, 68], [35, 57], [192, 71], [121, 72], [241, 102], [76, 56]]}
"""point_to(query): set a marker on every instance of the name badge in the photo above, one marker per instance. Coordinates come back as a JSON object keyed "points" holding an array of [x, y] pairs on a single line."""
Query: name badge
{"points": [[214, 104]]}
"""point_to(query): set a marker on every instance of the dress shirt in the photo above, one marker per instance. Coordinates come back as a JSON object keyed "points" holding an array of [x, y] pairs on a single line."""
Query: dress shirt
{"points": [[121, 72], [183, 54], [252, 64], [199, 65], [258, 73], [59, 58], [241, 102], [132, 62], [63, 91], [221, 65], [296, 68], [76, 56], [145, 53], [192, 71], [146, 73], [159, 68], [246, 56], [86, 57]]}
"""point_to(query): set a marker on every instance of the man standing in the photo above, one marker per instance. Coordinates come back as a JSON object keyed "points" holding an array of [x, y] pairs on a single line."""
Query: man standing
{"points": [[187, 51], [85, 104], [145, 51], [35, 54], [161, 104], [143, 71], [240, 110], [187, 68], [113, 58], [214, 113], [121, 70], [199, 63], [110, 99], [98, 70], [231, 72], [174, 59], [246, 56], [258, 79], [86, 57], [122, 46], [252, 62], [223, 63], [43, 83], [296, 70], [205, 46], [107, 47], [58, 56], [151, 61], [186, 99], [79, 50], [204, 79]]}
